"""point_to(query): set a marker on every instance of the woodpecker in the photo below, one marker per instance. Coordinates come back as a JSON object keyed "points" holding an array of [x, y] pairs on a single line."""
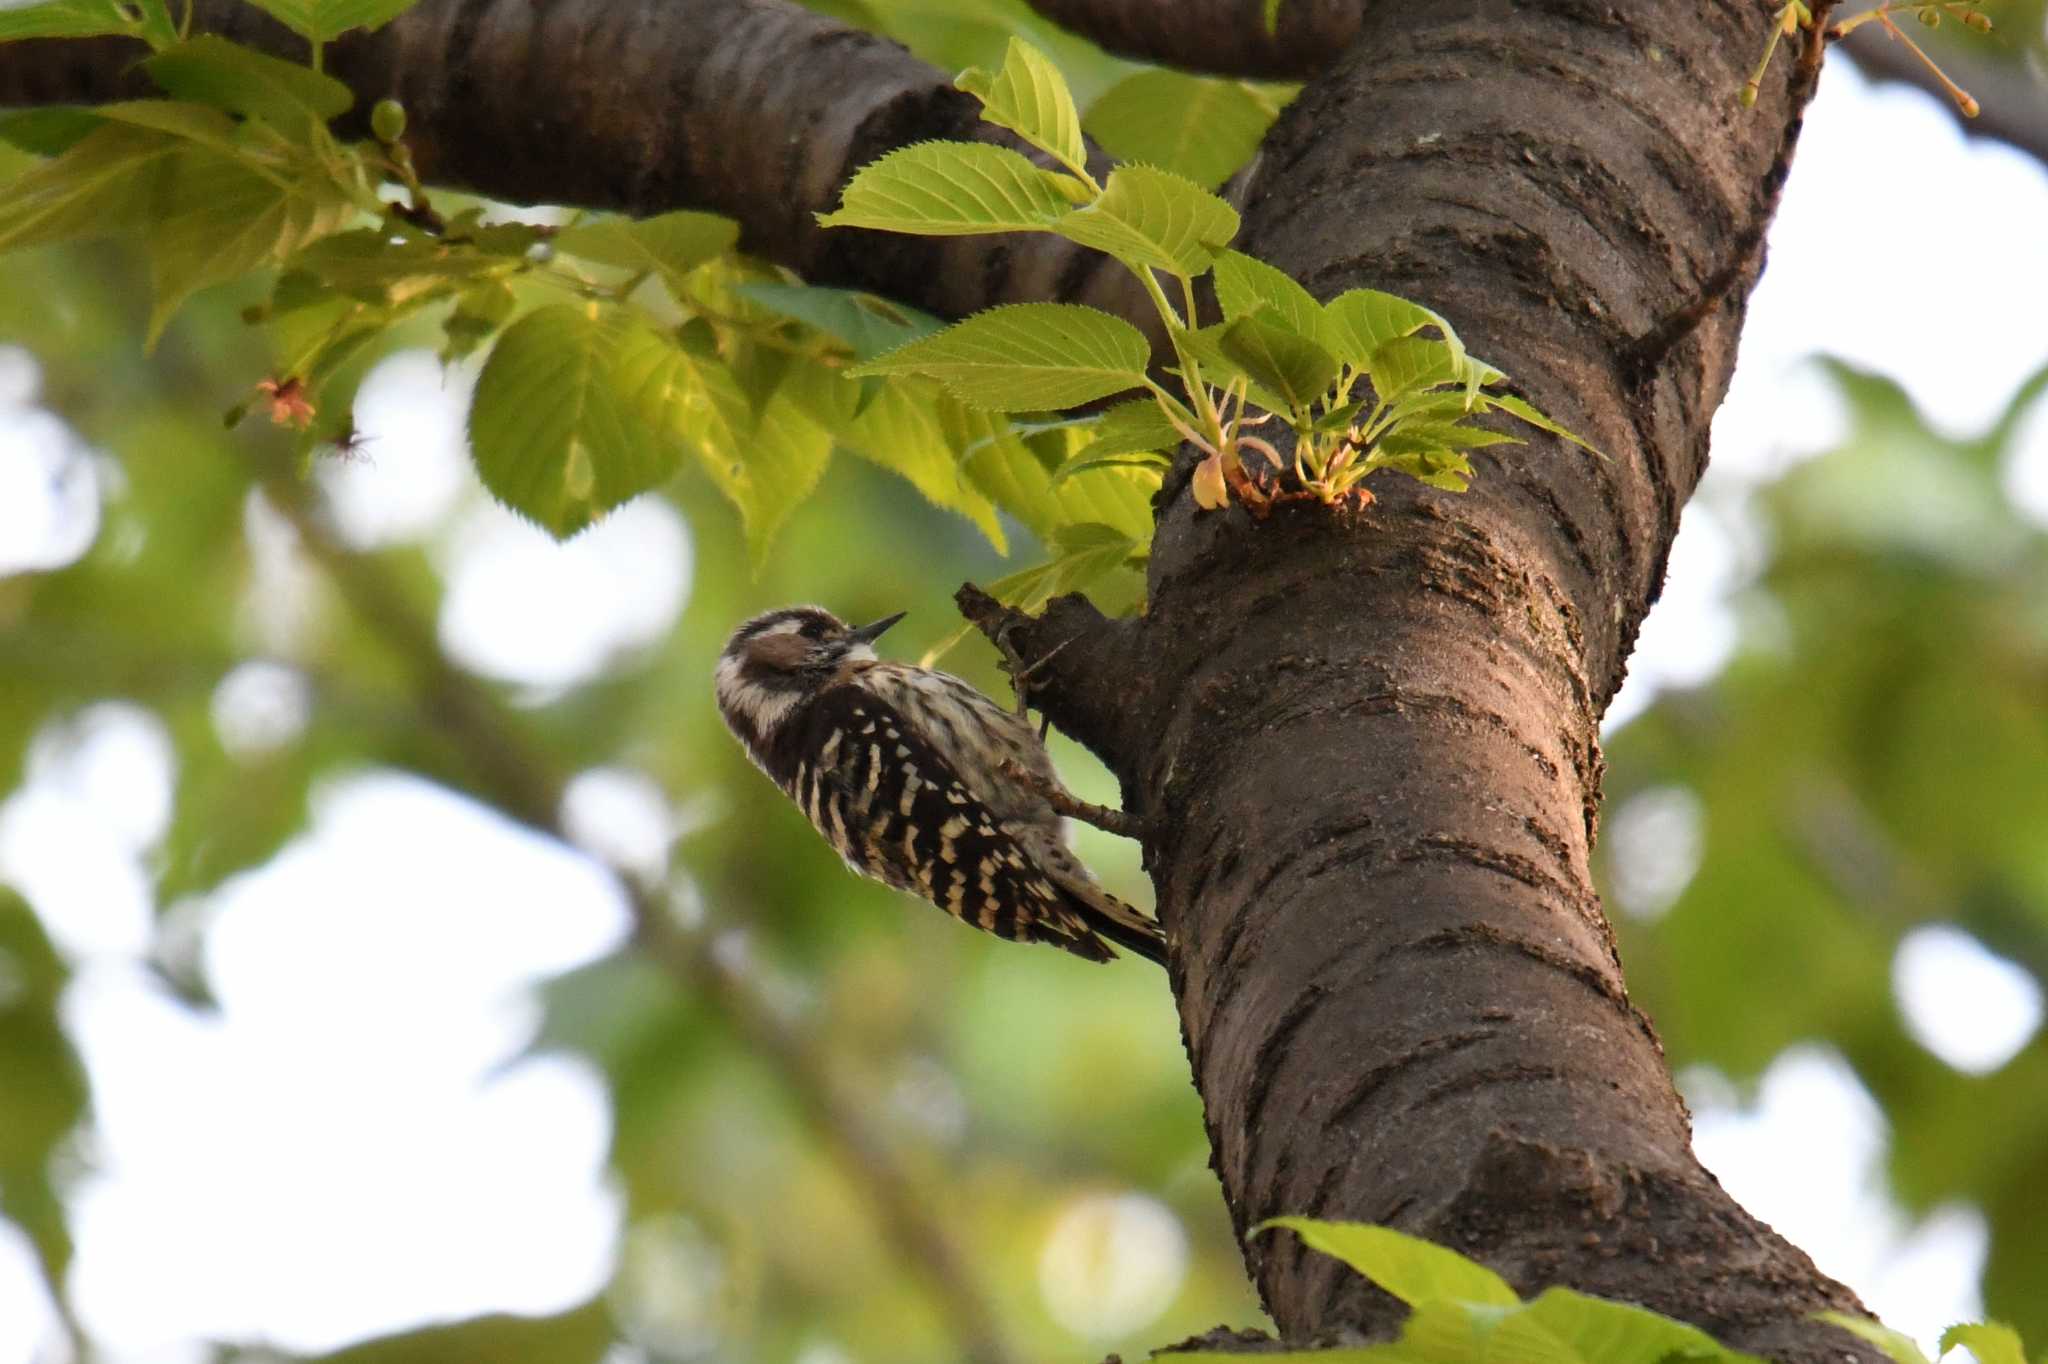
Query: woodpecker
{"points": [[919, 781]]}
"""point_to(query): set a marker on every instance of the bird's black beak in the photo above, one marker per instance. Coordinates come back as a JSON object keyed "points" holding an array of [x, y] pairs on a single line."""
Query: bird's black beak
{"points": [[868, 634]]}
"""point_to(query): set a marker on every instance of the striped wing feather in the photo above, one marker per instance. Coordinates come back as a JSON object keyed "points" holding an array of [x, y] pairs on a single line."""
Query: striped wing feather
{"points": [[897, 810]]}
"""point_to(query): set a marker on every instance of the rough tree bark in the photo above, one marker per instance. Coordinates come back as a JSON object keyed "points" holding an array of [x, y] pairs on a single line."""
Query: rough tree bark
{"points": [[1367, 740]]}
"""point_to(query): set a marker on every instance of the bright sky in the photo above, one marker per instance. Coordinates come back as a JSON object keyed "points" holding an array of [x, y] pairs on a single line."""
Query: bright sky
{"points": [[247, 1164]]}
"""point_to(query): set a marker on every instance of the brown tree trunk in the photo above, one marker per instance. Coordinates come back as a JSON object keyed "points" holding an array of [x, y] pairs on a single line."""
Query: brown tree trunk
{"points": [[1367, 739]]}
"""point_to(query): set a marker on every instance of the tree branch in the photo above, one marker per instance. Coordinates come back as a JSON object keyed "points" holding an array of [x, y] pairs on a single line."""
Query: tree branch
{"points": [[757, 109], [1223, 37], [1229, 38], [1085, 674], [512, 773]]}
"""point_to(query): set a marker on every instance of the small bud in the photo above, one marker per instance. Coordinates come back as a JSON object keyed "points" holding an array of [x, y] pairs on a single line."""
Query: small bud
{"points": [[1210, 493], [1977, 20], [1748, 96], [387, 120], [1931, 18], [1968, 104]]}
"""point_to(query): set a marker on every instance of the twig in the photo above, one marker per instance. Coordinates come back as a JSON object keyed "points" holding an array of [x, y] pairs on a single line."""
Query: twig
{"points": [[1640, 358], [1064, 802], [517, 777]]}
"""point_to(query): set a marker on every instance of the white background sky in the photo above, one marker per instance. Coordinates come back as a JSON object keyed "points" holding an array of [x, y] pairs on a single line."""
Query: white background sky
{"points": [[353, 1118]]}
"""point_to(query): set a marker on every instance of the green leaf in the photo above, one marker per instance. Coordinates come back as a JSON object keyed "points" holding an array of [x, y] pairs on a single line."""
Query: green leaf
{"points": [[1269, 14], [1293, 367], [1026, 357], [950, 189], [479, 313], [1896, 1344], [48, 131], [145, 19], [201, 124], [784, 461], [1992, 1342], [1006, 469], [1601, 1331], [46, 1085], [669, 244], [1197, 126], [867, 324], [367, 264], [1205, 346], [103, 186], [1411, 364], [1087, 552], [1247, 285], [218, 220], [900, 431], [1149, 218], [1530, 413], [553, 436], [1416, 436], [1410, 1268], [225, 75], [765, 463], [1130, 428], [324, 20], [1029, 97], [1360, 321], [1090, 463]]}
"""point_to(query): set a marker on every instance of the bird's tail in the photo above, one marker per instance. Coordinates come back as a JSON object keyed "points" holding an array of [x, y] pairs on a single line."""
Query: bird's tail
{"points": [[1120, 923]]}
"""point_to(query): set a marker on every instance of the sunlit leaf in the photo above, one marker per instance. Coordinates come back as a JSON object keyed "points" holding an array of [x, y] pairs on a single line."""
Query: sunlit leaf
{"points": [[1029, 97], [1007, 470], [1026, 357], [951, 189], [104, 185], [324, 20], [669, 244], [1410, 1268], [1897, 1344], [1601, 1331], [868, 325], [1198, 126], [1129, 428], [1246, 284], [217, 220], [287, 95], [1154, 219], [147, 19], [1287, 364], [900, 431], [1992, 1342], [552, 435]]}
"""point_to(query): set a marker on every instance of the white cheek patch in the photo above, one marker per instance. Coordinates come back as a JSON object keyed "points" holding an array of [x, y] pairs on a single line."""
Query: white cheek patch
{"points": [[761, 707]]}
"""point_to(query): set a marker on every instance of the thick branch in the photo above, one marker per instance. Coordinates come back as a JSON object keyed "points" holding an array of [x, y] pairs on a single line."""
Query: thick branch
{"points": [[1370, 741], [512, 773], [1229, 38], [1226, 37], [1084, 676], [757, 109]]}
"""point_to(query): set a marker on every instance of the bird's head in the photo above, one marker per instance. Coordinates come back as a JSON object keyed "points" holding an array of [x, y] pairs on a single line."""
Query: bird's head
{"points": [[775, 661]]}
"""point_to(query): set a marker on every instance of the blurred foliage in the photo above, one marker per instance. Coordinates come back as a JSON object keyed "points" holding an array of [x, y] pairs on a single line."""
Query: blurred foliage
{"points": [[1872, 760], [913, 1008]]}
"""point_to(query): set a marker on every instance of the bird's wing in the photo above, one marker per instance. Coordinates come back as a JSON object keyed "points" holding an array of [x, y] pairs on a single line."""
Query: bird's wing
{"points": [[896, 809]]}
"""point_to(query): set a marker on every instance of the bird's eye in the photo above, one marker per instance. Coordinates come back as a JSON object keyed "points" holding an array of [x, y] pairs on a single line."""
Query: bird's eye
{"points": [[814, 630]]}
